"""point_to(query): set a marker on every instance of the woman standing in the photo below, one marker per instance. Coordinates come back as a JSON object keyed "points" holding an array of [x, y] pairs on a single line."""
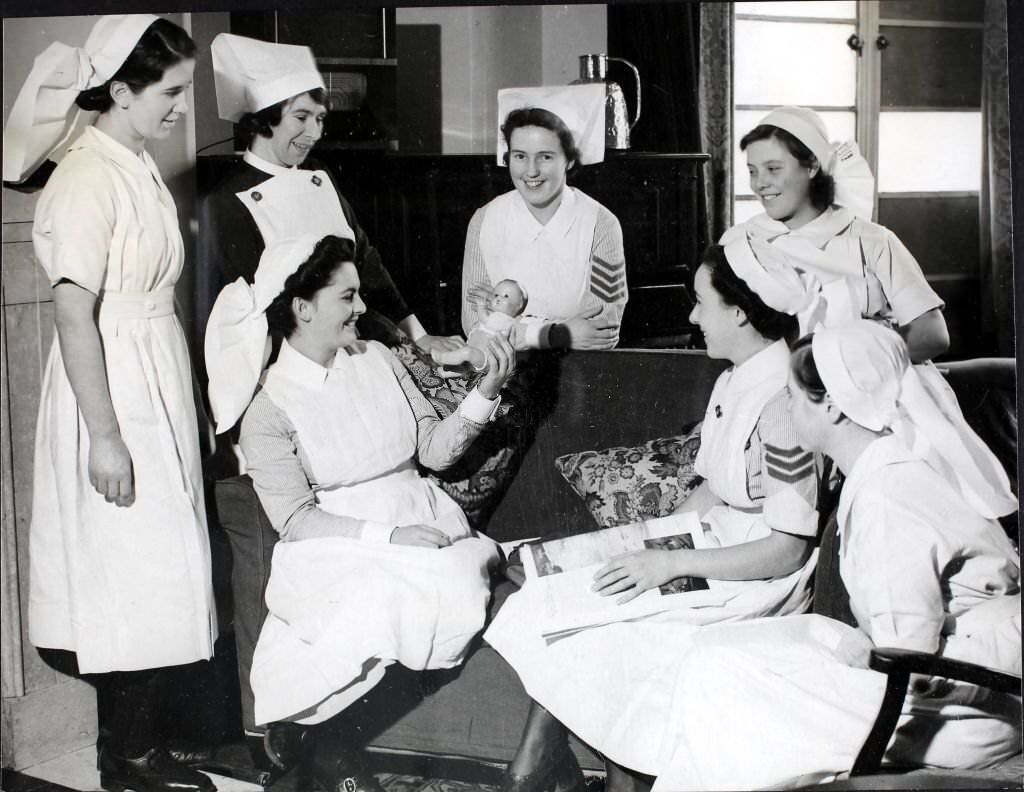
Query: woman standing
{"points": [[789, 702], [276, 94], [561, 246], [376, 565], [612, 686], [818, 199], [120, 562]]}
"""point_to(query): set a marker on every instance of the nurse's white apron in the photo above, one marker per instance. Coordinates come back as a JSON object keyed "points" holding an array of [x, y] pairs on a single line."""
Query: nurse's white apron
{"points": [[551, 262], [615, 686], [125, 588], [294, 202], [342, 610]]}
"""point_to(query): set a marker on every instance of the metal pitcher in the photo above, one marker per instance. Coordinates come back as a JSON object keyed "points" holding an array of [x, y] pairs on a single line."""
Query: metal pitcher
{"points": [[594, 68]]}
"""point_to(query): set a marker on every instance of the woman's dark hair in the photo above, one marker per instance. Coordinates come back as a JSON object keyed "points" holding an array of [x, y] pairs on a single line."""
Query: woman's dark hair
{"points": [[262, 122], [311, 276], [822, 187], [805, 371], [733, 290], [539, 117], [162, 46]]}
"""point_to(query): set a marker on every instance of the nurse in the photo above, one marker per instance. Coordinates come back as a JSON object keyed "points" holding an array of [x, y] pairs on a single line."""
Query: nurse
{"points": [[789, 702], [818, 198], [613, 686], [561, 246], [376, 564], [276, 94], [119, 552]]}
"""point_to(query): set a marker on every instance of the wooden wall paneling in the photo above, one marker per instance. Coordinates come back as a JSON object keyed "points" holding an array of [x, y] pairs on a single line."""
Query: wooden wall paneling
{"points": [[29, 333]]}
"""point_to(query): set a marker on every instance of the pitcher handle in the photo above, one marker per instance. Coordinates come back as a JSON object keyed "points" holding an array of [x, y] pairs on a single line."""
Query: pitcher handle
{"points": [[636, 75]]}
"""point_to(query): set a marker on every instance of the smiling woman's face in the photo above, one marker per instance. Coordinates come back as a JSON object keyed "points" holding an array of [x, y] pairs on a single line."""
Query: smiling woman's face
{"points": [[302, 124], [780, 182], [537, 166], [336, 308], [153, 111]]}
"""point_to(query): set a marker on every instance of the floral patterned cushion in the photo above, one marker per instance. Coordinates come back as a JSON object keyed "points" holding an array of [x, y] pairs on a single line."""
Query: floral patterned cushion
{"points": [[625, 485]]}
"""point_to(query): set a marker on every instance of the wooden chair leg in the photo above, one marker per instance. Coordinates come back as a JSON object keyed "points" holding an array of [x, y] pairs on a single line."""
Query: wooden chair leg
{"points": [[870, 757]]}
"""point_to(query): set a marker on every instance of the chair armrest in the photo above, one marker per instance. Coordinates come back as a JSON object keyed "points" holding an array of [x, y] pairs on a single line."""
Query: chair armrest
{"points": [[907, 661], [898, 665]]}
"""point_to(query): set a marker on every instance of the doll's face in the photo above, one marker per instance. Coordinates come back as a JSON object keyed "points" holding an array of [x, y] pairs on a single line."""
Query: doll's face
{"points": [[507, 298]]}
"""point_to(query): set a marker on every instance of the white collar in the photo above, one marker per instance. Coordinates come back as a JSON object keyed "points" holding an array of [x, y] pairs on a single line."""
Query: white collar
{"points": [[763, 366], [557, 227], [821, 230], [93, 138], [293, 365], [267, 167]]}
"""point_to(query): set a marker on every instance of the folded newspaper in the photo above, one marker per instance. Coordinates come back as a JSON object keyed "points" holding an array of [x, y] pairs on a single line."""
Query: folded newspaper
{"points": [[560, 575]]}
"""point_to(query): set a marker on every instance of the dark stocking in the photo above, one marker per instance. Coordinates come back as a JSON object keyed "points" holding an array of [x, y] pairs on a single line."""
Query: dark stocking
{"points": [[619, 779], [131, 705], [542, 733]]}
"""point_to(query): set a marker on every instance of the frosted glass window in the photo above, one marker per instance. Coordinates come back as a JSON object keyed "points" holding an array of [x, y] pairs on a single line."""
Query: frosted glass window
{"points": [[840, 125], [744, 210], [846, 9], [929, 152], [800, 64]]}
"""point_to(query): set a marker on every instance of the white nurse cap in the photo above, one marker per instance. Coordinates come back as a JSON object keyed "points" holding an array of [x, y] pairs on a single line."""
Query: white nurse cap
{"points": [[855, 184], [866, 370], [236, 332], [41, 117], [581, 108], [250, 74], [770, 276]]}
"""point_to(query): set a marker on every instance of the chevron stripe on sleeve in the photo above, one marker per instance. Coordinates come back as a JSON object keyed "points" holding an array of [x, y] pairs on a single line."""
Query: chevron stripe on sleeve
{"points": [[607, 279], [788, 465]]}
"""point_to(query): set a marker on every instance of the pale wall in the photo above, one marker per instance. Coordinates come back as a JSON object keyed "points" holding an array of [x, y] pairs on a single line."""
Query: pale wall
{"points": [[484, 48]]}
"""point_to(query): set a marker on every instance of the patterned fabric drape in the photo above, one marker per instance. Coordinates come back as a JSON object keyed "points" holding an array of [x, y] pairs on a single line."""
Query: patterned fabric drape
{"points": [[996, 243], [715, 111]]}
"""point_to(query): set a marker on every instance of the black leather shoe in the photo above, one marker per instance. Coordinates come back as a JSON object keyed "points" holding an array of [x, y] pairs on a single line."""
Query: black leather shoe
{"points": [[286, 744], [189, 753], [154, 771]]}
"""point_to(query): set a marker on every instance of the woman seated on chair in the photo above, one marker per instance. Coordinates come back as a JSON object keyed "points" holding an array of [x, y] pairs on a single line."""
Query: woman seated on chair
{"points": [[613, 685], [790, 701], [376, 565]]}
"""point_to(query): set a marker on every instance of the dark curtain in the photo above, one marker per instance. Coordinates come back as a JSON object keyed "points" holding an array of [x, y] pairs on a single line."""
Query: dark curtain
{"points": [[715, 111], [663, 41], [995, 215]]}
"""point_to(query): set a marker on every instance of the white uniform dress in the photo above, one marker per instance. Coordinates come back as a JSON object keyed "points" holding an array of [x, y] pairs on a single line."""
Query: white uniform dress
{"points": [[573, 262], [124, 588], [768, 704], [343, 609], [864, 269], [614, 686]]}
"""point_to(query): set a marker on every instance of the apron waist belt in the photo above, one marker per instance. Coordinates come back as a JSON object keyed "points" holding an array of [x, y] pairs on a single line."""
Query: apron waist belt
{"points": [[137, 305]]}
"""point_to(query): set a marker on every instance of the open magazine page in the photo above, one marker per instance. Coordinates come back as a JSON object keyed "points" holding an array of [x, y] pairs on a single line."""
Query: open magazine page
{"points": [[560, 574]]}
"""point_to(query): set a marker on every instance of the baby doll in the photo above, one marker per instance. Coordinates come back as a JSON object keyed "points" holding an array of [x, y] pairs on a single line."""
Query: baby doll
{"points": [[507, 301]]}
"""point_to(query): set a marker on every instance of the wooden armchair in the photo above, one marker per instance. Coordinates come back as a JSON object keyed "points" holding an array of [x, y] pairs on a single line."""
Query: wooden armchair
{"points": [[898, 665], [985, 389]]}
